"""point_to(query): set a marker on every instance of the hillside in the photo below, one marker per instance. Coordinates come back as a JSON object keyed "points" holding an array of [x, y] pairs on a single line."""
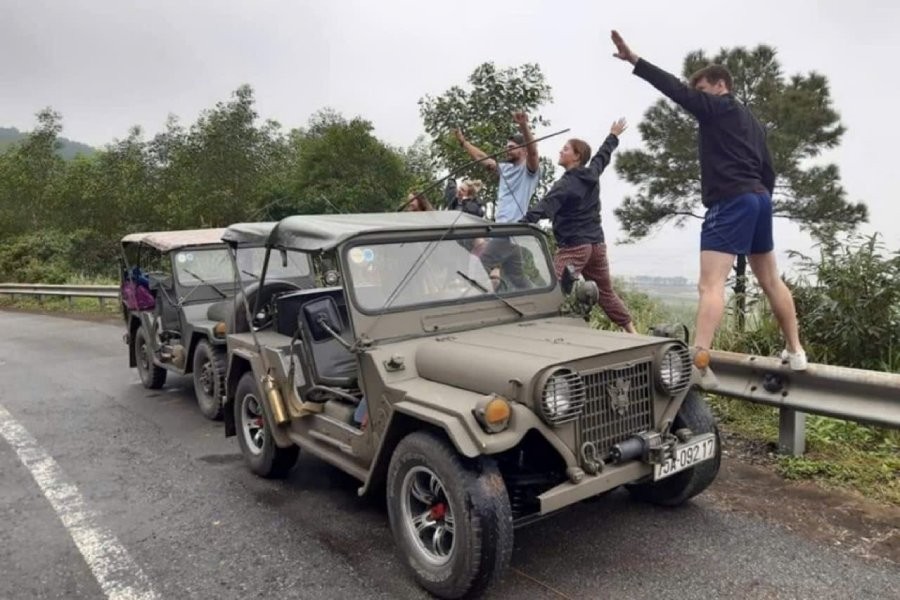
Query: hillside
{"points": [[69, 149]]}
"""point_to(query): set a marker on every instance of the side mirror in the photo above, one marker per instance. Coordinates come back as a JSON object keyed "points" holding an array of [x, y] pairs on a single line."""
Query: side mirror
{"points": [[321, 316], [587, 293]]}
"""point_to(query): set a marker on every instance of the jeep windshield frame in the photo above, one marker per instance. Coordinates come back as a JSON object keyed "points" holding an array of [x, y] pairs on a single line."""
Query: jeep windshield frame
{"points": [[328, 238], [403, 273]]}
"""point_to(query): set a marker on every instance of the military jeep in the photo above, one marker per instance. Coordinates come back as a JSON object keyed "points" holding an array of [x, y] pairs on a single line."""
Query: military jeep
{"points": [[176, 291], [462, 389]]}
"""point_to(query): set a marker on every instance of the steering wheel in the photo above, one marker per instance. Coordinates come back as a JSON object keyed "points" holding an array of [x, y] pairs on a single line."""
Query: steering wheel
{"points": [[260, 298]]}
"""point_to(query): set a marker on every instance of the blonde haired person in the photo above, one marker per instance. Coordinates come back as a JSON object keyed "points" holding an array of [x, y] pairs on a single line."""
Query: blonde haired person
{"points": [[465, 197]]}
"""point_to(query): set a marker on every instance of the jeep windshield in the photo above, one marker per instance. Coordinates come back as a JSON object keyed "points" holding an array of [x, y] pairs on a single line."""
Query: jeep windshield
{"points": [[212, 266], [388, 276]]}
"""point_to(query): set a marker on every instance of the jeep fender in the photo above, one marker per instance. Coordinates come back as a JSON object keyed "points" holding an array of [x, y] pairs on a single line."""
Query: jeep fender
{"points": [[461, 429]]}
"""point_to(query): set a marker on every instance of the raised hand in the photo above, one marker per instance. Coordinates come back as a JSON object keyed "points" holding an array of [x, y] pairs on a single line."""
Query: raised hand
{"points": [[623, 52], [618, 126], [458, 134], [520, 117]]}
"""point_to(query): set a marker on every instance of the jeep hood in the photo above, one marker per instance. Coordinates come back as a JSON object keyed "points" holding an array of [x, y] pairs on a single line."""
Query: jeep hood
{"points": [[486, 360]]}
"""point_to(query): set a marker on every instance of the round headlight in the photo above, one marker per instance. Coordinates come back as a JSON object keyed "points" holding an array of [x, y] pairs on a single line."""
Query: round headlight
{"points": [[674, 369], [562, 396]]}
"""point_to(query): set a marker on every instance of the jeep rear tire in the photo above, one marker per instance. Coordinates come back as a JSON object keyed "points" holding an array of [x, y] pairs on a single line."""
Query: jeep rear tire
{"points": [[209, 379], [152, 376], [263, 456], [451, 520], [695, 415]]}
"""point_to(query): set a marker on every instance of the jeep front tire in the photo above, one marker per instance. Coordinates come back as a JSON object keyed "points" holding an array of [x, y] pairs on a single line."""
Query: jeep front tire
{"points": [[263, 455], [451, 519], [695, 415]]}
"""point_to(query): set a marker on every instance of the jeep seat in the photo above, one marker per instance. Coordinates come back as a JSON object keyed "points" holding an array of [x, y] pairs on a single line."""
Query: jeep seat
{"points": [[333, 364]]}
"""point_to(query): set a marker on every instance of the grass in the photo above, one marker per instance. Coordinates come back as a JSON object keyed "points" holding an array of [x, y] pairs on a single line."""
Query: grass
{"points": [[81, 306], [839, 453]]}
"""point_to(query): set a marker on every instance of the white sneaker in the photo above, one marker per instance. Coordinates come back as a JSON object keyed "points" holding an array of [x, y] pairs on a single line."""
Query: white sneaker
{"points": [[797, 360]]}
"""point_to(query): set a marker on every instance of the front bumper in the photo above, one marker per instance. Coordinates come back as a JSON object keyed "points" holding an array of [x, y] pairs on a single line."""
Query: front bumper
{"points": [[611, 477]]}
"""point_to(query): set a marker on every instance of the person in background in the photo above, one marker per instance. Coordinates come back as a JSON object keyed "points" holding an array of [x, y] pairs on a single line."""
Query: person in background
{"points": [[736, 182], [464, 197], [518, 176], [417, 203], [573, 206]]}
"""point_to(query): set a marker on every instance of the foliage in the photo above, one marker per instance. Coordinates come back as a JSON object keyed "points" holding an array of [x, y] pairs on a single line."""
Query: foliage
{"points": [[67, 150], [340, 166], [61, 217], [44, 256], [848, 302], [797, 112], [646, 312], [215, 172], [26, 174], [484, 113]]}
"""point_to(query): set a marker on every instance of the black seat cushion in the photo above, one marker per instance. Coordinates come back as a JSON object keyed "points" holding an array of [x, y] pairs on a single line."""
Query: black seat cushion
{"points": [[335, 364]]}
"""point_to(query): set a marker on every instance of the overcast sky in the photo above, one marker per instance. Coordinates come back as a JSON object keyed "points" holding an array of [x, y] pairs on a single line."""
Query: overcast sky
{"points": [[109, 64]]}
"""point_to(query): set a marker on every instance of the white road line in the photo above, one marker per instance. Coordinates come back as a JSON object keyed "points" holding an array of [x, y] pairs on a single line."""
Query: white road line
{"points": [[119, 576]]}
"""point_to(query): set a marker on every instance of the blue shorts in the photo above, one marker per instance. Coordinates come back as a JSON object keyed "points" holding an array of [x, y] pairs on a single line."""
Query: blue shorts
{"points": [[739, 226]]}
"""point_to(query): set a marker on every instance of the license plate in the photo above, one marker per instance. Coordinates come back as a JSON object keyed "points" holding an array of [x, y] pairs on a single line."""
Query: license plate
{"points": [[685, 456]]}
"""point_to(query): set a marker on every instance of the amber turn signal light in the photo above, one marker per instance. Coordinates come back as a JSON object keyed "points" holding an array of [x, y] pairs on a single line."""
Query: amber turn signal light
{"points": [[493, 413], [219, 329], [701, 358]]}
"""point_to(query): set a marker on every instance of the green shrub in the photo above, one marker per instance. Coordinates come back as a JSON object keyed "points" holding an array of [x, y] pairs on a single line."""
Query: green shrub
{"points": [[52, 256], [39, 257], [848, 303]]}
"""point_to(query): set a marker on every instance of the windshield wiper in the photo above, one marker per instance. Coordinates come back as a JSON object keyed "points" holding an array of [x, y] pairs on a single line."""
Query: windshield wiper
{"points": [[246, 272], [493, 293], [204, 282]]}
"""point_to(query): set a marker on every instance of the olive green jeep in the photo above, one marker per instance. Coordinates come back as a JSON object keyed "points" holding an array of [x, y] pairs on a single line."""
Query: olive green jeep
{"points": [[176, 288], [439, 363]]}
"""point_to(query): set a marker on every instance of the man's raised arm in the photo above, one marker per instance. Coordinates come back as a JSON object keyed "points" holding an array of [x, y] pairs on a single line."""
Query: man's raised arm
{"points": [[695, 102], [474, 151], [532, 158]]}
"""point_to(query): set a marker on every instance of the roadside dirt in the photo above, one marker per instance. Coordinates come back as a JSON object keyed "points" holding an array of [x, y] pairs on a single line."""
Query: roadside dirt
{"points": [[748, 484]]}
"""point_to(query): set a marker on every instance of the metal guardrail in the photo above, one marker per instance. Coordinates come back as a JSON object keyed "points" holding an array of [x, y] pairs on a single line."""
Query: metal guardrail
{"points": [[39, 291], [870, 397]]}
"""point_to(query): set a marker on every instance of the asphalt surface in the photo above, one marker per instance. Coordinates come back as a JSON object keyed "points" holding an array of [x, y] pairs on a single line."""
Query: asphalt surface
{"points": [[172, 491]]}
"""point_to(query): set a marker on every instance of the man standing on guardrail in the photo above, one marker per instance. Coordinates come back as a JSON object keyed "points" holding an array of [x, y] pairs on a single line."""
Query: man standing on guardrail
{"points": [[736, 181]]}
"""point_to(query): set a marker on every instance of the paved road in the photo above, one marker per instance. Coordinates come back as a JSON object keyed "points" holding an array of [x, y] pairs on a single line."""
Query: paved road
{"points": [[158, 502]]}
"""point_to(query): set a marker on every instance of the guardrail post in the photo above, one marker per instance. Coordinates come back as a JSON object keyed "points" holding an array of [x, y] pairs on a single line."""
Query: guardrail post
{"points": [[102, 302], [791, 432]]}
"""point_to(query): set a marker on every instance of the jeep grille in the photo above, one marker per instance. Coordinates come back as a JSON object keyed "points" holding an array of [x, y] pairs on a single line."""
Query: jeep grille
{"points": [[619, 404]]}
